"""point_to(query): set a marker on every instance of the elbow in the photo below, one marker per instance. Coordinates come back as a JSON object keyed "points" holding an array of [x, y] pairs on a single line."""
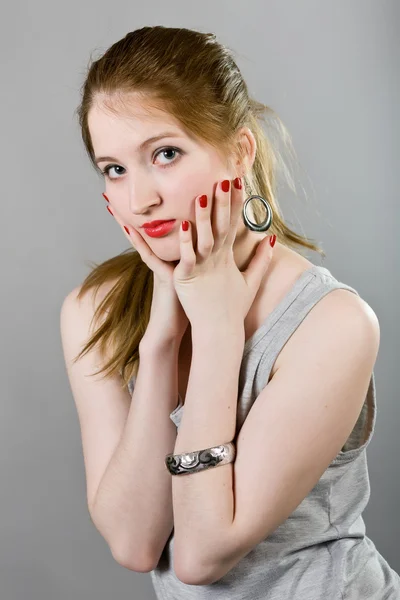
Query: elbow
{"points": [[193, 577], [143, 562], [192, 573]]}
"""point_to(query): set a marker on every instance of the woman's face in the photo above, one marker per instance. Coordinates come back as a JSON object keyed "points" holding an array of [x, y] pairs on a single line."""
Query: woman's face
{"points": [[159, 180]]}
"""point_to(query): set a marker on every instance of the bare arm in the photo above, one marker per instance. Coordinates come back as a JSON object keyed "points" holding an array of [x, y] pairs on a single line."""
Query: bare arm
{"points": [[133, 504], [125, 437]]}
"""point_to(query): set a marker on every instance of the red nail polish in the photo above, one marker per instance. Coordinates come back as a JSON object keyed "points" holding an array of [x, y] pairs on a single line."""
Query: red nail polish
{"points": [[127, 230], [109, 210], [185, 225], [237, 183], [104, 196], [225, 185], [272, 240], [203, 201]]}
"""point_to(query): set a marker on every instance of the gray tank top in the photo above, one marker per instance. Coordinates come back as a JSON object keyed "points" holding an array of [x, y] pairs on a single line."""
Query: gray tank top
{"points": [[321, 550]]}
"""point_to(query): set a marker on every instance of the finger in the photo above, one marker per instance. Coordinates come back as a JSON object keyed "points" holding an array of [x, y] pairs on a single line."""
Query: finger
{"points": [[221, 213], [145, 252], [188, 255], [237, 199], [259, 264], [137, 241], [135, 238], [127, 229], [205, 237], [114, 213]]}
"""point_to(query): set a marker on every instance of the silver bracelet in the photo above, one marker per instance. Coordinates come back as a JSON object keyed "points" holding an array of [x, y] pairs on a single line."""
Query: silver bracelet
{"points": [[199, 460]]}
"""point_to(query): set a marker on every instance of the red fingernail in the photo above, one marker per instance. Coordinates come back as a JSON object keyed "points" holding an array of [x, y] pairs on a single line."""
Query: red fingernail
{"points": [[203, 201], [272, 240], [127, 230], [237, 183], [225, 185], [104, 196], [185, 225], [109, 210]]}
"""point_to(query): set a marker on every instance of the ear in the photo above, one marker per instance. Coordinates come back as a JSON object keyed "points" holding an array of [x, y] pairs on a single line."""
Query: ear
{"points": [[246, 151]]}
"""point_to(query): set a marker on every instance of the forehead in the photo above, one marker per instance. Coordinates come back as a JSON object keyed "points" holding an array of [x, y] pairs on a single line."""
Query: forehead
{"points": [[129, 117]]}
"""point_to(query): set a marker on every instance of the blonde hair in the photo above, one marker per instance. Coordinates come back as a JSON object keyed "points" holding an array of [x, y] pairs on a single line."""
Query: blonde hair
{"points": [[196, 80]]}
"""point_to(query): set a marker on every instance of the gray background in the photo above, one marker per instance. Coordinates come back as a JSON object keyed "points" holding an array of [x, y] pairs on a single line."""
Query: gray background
{"points": [[330, 70]]}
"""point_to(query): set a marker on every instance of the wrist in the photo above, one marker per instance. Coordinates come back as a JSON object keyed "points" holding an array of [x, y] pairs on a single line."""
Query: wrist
{"points": [[227, 331], [155, 344]]}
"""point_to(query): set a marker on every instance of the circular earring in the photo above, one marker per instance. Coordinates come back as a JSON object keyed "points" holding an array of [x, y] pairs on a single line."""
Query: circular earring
{"points": [[266, 224]]}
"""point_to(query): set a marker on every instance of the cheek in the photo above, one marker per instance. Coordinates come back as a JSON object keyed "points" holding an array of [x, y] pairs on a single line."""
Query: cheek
{"points": [[184, 191], [120, 208], [192, 185]]}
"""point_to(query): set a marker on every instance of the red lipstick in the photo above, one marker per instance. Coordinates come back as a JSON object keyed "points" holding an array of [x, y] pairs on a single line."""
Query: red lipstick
{"points": [[158, 228]]}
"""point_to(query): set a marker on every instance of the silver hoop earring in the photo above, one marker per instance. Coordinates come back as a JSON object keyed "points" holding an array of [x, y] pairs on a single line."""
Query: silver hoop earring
{"points": [[266, 224]]}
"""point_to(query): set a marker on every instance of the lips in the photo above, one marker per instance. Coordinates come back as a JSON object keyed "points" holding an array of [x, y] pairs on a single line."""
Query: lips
{"points": [[155, 223], [160, 230]]}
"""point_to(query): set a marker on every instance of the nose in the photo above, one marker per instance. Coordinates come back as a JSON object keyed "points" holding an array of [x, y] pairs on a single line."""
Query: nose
{"points": [[141, 199], [143, 210]]}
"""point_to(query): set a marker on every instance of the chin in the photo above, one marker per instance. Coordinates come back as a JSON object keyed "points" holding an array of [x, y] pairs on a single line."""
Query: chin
{"points": [[169, 252], [169, 255]]}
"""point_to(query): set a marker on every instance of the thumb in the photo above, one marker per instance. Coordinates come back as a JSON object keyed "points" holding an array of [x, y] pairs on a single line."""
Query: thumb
{"points": [[259, 264]]}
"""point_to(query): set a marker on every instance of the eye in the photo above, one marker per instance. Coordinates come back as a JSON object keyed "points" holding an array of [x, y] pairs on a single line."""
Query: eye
{"points": [[106, 170], [168, 149]]}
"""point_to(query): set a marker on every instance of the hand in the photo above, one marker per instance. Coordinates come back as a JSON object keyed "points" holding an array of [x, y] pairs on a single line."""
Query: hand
{"points": [[208, 282], [168, 321]]}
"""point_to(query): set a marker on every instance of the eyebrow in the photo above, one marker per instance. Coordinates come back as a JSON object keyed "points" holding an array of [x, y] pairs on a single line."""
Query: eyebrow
{"points": [[143, 145]]}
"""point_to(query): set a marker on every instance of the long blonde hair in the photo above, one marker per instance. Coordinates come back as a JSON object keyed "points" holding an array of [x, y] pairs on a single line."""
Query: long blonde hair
{"points": [[196, 80]]}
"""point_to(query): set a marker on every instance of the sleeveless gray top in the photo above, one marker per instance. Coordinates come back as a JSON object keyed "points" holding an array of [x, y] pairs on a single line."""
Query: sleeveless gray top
{"points": [[321, 550]]}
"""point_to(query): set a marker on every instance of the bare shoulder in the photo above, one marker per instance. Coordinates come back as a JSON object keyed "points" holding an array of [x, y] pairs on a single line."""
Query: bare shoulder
{"points": [[76, 320], [345, 305], [85, 305], [338, 313], [92, 299]]}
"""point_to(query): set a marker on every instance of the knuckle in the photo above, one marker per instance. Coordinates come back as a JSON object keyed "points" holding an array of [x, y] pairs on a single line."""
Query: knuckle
{"points": [[225, 199], [204, 216], [190, 261], [225, 231], [207, 247]]}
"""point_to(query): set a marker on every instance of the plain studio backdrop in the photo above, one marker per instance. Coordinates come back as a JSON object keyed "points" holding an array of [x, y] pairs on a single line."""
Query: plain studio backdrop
{"points": [[331, 71]]}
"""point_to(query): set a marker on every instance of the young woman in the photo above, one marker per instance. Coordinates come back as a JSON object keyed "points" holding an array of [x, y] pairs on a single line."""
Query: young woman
{"points": [[269, 355]]}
